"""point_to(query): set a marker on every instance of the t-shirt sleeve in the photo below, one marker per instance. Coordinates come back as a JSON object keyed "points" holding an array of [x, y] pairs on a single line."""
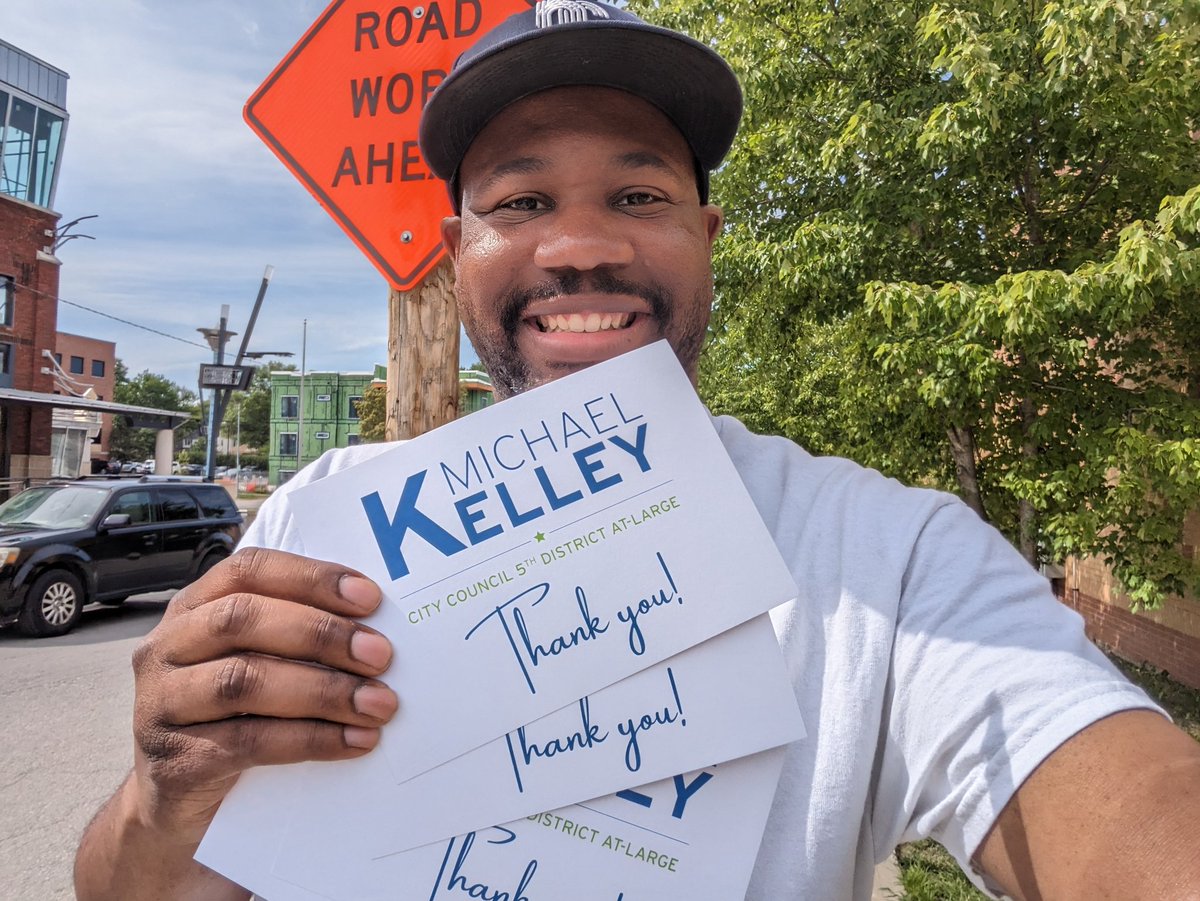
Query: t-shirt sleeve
{"points": [[990, 674]]}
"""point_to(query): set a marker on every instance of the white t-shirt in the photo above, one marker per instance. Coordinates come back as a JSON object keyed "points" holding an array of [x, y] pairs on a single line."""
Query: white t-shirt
{"points": [[933, 667]]}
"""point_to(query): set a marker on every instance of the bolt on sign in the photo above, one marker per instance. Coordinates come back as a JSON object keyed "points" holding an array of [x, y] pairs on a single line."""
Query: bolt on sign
{"points": [[341, 111]]}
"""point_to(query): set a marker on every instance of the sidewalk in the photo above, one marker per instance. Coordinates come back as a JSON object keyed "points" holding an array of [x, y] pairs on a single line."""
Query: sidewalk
{"points": [[887, 881]]}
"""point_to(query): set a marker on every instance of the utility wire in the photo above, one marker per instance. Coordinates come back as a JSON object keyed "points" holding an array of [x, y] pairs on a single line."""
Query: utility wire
{"points": [[144, 328]]}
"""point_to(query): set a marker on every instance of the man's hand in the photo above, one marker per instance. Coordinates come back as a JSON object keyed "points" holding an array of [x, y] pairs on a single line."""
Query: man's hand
{"points": [[259, 662]]}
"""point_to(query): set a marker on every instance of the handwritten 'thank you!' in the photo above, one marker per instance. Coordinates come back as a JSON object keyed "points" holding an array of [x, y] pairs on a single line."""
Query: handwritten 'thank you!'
{"points": [[542, 549], [516, 619]]}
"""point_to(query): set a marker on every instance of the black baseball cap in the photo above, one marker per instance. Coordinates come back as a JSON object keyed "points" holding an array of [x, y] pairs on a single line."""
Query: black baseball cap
{"points": [[578, 42]]}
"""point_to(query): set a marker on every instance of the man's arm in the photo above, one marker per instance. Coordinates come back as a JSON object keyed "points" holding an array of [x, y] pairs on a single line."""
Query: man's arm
{"points": [[1111, 814], [225, 682]]}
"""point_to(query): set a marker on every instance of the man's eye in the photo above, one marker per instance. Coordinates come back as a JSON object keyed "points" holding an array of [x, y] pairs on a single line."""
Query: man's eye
{"points": [[523, 205], [638, 198]]}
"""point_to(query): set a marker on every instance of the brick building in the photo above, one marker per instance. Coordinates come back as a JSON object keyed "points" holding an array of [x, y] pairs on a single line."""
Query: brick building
{"points": [[88, 366], [1167, 638], [33, 120]]}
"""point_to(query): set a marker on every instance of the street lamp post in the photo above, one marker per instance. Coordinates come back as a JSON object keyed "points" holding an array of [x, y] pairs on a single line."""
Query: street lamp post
{"points": [[216, 339]]}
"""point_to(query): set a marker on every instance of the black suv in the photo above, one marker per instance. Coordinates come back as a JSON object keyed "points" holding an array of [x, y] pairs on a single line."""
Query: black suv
{"points": [[65, 545]]}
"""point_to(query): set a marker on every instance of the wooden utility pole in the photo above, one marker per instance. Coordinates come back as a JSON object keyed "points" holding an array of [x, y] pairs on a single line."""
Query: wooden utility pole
{"points": [[422, 372]]}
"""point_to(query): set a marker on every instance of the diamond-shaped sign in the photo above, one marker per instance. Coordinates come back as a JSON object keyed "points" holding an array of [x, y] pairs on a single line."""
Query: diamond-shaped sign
{"points": [[341, 112]]}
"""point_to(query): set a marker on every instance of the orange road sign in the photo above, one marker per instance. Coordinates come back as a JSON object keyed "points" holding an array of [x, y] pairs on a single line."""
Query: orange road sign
{"points": [[341, 111]]}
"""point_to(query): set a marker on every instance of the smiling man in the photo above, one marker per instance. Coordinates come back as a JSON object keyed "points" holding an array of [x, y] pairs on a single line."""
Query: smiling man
{"points": [[945, 692]]}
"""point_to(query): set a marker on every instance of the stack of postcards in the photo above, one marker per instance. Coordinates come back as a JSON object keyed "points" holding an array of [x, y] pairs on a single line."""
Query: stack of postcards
{"points": [[593, 703]]}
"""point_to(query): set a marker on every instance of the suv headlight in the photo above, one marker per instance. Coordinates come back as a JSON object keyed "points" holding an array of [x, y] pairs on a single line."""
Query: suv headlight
{"points": [[8, 556]]}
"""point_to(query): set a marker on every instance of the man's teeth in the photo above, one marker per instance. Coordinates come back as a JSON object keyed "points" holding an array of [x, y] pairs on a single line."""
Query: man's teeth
{"points": [[581, 322]]}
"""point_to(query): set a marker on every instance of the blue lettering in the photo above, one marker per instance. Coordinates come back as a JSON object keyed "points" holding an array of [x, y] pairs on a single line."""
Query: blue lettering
{"points": [[638, 450], [390, 533], [621, 412], [496, 453], [685, 791], [546, 436], [663, 717], [470, 468], [517, 519], [529, 653], [587, 736], [470, 517], [588, 467], [556, 502], [595, 417], [458, 882], [571, 431], [631, 614]]}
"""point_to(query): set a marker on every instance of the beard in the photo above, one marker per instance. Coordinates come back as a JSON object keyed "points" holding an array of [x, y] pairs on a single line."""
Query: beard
{"points": [[498, 349]]}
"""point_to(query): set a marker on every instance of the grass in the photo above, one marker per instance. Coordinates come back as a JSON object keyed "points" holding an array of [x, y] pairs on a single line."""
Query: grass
{"points": [[929, 873]]}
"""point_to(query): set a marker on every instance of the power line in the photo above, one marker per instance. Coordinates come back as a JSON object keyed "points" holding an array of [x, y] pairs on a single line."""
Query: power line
{"points": [[144, 328]]}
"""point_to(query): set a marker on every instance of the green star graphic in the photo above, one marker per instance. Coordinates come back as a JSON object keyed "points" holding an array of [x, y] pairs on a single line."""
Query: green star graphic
{"points": [[540, 536]]}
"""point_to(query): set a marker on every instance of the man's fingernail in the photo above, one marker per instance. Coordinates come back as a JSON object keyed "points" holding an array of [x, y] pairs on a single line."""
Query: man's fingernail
{"points": [[370, 648], [362, 593], [375, 701], [358, 737]]}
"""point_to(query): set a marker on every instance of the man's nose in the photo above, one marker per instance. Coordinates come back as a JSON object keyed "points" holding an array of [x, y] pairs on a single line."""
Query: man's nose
{"points": [[584, 239]]}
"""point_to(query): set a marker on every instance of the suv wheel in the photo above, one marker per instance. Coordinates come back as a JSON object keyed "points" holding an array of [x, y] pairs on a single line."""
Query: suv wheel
{"points": [[54, 605], [210, 560]]}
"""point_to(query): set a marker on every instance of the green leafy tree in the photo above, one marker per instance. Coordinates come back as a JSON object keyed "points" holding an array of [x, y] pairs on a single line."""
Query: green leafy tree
{"points": [[372, 414], [945, 255], [255, 407], [144, 390]]}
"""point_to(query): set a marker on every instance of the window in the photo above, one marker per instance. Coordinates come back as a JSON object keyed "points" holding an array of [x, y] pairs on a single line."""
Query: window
{"points": [[353, 440], [58, 359], [352, 413], [134, 504], [177, 504], [287, 444], [6, 365], [6, 300], [216, 502], [289, 407], [77, 365], [32, 140], [286, 475], [98, 368]]}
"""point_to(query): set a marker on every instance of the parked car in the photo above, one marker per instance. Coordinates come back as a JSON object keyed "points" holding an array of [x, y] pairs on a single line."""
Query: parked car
{"points": [[102, 539]]}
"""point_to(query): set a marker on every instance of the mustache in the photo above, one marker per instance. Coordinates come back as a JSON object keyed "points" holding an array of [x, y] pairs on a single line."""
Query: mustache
{"points": [[596, 281]]}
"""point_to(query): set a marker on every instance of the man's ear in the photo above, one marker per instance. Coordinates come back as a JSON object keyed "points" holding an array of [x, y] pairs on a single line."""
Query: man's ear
{"points": [[452, 236], [714, 218]]}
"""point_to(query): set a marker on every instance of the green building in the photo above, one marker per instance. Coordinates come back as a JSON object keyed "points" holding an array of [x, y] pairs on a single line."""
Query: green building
{"points": [[305, 424]]}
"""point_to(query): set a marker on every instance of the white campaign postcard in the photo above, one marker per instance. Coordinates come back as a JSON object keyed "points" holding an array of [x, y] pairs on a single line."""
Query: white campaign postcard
{"points": [[541, 549], [691, 836], [680, 714]]}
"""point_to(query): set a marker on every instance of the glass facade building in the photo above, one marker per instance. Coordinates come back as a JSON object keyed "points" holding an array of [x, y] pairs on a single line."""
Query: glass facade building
{"points": [[33, 124]]}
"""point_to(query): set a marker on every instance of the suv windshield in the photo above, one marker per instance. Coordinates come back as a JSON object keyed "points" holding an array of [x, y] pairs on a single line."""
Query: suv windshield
{"points": [[64, 507]]}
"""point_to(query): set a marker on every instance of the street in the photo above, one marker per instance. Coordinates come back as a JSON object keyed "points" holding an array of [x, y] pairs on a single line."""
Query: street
{"points": [[65, 743]]}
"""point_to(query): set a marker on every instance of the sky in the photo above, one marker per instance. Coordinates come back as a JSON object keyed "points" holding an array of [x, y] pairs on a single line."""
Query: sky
{"points": [[192, 206]]}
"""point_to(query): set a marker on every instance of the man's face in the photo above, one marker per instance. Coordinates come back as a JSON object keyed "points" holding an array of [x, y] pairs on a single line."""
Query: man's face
{"points": [[581, 237]]}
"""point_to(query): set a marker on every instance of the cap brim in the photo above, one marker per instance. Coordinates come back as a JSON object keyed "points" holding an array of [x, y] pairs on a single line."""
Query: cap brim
{"points": [[690, 83]]}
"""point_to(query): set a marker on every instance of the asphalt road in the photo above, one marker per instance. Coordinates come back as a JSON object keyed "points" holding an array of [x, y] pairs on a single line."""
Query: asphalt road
{"points": [[64, 740]]}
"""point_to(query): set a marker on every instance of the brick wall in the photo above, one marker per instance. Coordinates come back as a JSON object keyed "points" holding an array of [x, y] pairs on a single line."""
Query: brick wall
{"points": [[1168, 638], [35, 321], [1138, 638]]}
